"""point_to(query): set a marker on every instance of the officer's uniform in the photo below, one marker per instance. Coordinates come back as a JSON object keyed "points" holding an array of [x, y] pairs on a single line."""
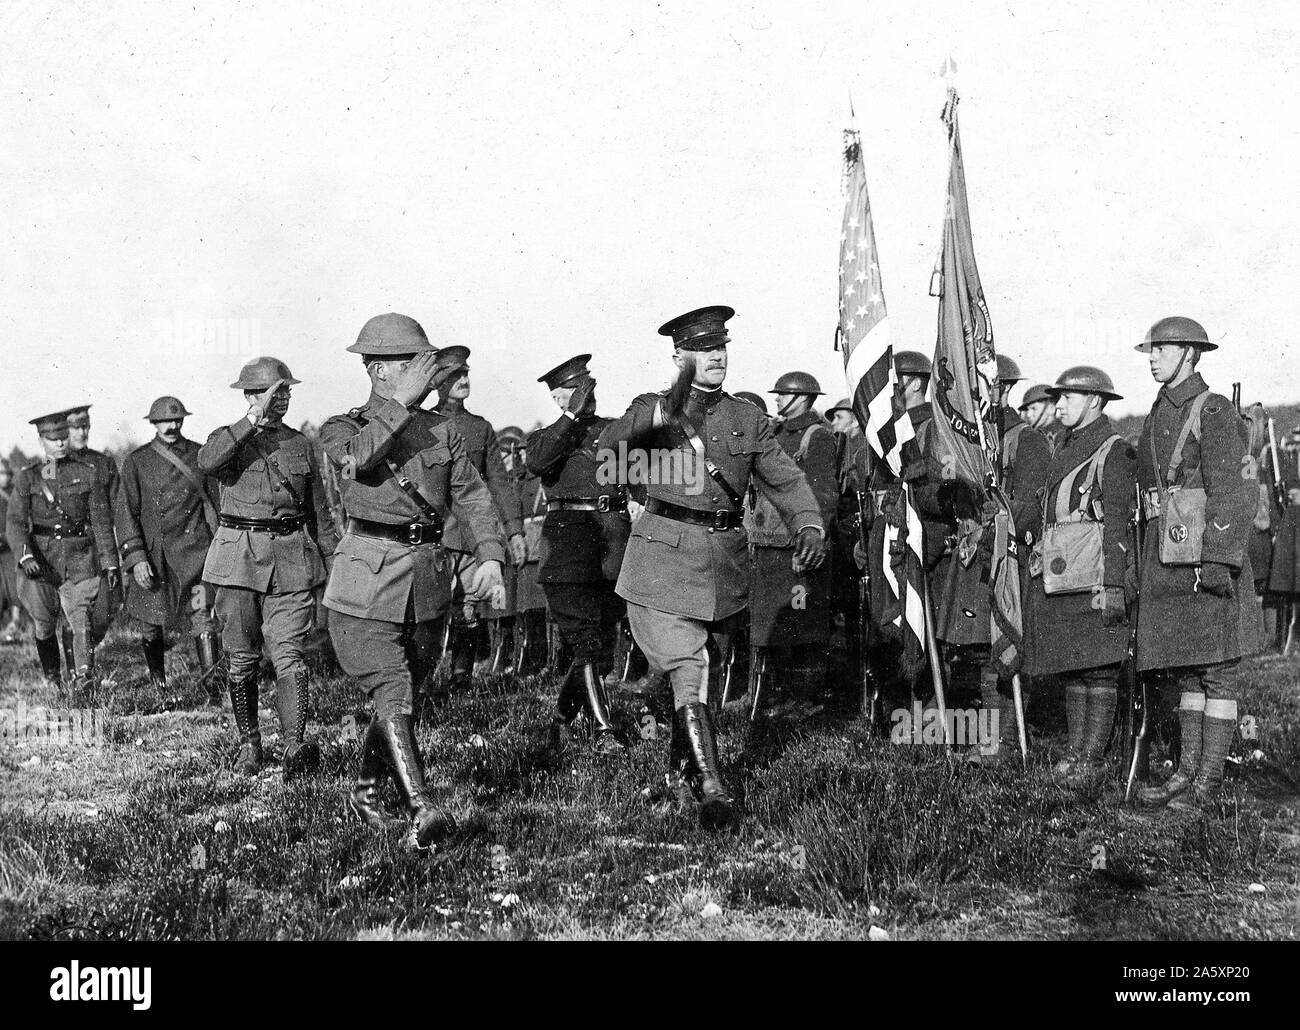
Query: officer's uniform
{"points": [[525, 597], [481, 450], [687, 566], [59, 516], [1090, 480], [404, 470], [790, 612], [266, 559], [109, 600], [1198, 637], [583, 538], [8, 568], [166, 514]]}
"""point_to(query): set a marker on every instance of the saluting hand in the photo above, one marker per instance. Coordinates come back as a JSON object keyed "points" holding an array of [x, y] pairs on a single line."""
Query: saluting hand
{"points": [[581, 394], [142, 572], [413, 383], [257, 409], [809, 550]]}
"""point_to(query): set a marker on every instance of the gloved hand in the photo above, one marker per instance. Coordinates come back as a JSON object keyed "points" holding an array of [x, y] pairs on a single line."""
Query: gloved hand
{"points": [[809, 550], [518, 549], [31, 567], [957, 500], [142, 571], [1215, 579], [487, 577], [581, 394], [860, 555], [634, 509], [1112, 607], [1131, 587]]}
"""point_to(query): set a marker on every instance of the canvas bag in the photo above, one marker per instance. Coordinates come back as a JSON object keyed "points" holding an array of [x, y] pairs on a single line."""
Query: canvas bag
{"points": [[1182, 508], [1073, 548]]}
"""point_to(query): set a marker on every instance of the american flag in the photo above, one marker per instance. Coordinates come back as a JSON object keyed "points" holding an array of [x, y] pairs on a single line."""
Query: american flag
{"points": [[869, 370]]}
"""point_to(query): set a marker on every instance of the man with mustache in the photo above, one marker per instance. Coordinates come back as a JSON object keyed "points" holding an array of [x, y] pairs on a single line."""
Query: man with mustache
{"points": [[60, 528], [687, 567], [166, 514], [267, 557]]}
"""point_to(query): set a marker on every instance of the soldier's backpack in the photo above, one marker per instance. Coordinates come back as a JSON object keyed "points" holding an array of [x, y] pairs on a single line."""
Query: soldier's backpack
{"points": [[1182, 507], [1073, 547]]}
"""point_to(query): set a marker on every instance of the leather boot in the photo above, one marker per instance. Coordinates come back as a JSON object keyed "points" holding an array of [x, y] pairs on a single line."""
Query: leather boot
{"points": [[47, 651], [567, 707], [69, 651], [717, 810], [605, 742], [207, 647], [155, 650], [365, 792], [502, 636], [291, 697], [243, 703], [1191, 709], [429, 823], [681, 769], [462, 657]]}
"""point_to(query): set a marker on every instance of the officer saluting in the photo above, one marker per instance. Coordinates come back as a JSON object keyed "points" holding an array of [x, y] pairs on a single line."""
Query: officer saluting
{"points": [[266, 559], [166, 515], [1198, 616], [687, 565], [402, 470], [61, 531], [584, 535]]}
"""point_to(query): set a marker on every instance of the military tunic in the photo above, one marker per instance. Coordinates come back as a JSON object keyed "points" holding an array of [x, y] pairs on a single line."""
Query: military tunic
{"points": [[8, 563], [582, 551], [162, 519], [387, 596], [787, 609], [107, 601], [1064, 632], [265, 579], [59, 515], [680, 578], [1178, 625]]}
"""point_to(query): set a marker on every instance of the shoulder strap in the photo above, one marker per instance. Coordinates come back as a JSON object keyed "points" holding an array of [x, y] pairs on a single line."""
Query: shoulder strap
{"points": [[1095, 464], [1191, 426], [403, 481], [274, 466], [180, 465], [697, 445], [805, 442]]}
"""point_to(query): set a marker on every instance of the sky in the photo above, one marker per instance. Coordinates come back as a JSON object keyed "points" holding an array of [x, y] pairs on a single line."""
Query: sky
{"points": [[187, 187]]}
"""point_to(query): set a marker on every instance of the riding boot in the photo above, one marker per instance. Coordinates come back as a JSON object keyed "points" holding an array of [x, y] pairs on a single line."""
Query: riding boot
{"points": [[429, 823], [291, 697], [681, 774], [207, 646], [462, 657], [365, 792], [716, 804], [86, 683], [155, 651], [243, 703], [605, 741], [1191, 711], [47, 651], [567, 707]]}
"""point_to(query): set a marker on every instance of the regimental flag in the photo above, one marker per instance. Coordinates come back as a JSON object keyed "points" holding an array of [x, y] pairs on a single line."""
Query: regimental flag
{"points": [[863, 334], [965, 433]]}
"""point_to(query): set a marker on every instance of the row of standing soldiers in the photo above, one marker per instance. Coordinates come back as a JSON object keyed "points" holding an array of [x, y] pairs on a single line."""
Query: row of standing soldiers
{"points": [[419, 523]]}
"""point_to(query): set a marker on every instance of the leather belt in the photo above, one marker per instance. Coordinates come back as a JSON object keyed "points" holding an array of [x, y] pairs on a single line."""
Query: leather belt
{"points": [[60, 531], [720, 520], [605, 502], [413, 533], [281, 527]]}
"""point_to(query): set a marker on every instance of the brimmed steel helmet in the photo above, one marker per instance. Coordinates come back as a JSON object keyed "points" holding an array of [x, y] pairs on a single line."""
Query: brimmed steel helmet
{"points": [[1085, 379], [911, 363], [797, 382], [1008, 370], [261, 373], [1036, 393], [166, 409], [1176, 329]]}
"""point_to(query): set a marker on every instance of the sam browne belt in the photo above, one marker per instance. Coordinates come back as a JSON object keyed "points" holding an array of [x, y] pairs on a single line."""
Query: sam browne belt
{"points": [[720, 520], [413, 533], [280, 527]]}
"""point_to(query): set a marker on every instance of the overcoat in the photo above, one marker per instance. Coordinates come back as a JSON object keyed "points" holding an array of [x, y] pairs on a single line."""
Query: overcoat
{"points": [[1177, 624], [1064, 632], [483, 454]]}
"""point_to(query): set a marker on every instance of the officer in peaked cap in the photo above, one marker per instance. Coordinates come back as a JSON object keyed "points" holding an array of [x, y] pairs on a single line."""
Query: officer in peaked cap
{"points": [[585, 533], [108, 601], [267, 556], [483, 454], [405, 471], [792, 641], [1198, 615], [1038, 408], [166, 515], [1079, 629], [60, 529], [687, 568]]}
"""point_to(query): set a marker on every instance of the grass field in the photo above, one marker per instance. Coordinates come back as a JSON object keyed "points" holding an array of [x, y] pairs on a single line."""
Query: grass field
{"points": [[844, 836]]}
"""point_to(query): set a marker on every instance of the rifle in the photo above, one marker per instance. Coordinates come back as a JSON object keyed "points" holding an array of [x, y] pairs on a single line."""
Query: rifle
{"points": [[1134, 686], [871, 706], [1279, 485]]}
